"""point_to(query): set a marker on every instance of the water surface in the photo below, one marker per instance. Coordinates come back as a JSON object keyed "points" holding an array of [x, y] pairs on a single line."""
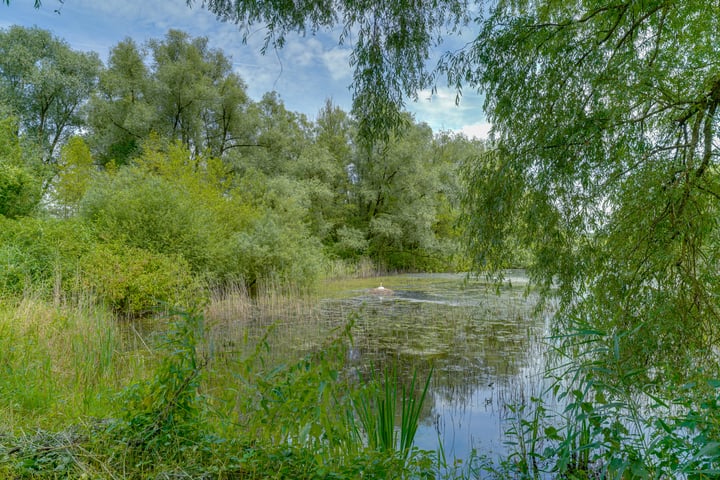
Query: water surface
{"points": [[483, 342]]}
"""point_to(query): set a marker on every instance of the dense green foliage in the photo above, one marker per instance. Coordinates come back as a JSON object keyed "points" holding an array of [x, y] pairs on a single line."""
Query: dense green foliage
{"points": [[20, 187], [605, 118], [602, 177]]}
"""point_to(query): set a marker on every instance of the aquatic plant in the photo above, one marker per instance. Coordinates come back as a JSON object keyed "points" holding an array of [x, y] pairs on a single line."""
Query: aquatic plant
{"points": [[375, 406]]}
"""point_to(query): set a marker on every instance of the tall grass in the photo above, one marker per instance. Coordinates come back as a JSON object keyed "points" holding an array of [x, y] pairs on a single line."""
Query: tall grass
{"points": [[59, 362], [84, 395], [360, 268], [236, 320], [67, 380]]}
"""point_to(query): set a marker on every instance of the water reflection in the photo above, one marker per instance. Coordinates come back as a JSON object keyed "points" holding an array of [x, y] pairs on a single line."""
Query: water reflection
{"points": [[483, 342]]}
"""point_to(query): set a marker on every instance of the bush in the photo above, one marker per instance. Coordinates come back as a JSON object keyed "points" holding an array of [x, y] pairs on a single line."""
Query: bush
{"points": [[19, 191], [275, 250], [135, 282], [150, 213]]}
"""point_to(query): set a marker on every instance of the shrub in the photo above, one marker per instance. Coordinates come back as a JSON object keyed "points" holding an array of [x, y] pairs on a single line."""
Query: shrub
{"points": [[275, 250], [150, 213], [19, 188], [134, 281], [19, 191]]}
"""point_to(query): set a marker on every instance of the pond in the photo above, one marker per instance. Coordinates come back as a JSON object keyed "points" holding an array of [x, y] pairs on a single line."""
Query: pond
{"points": [[484, 344]]}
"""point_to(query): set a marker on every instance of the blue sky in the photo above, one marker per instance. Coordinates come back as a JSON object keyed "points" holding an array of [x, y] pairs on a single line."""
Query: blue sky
{"points": [[305, 72]]}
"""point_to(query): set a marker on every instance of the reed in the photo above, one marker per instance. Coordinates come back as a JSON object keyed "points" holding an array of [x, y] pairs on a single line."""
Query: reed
{"points": [[236, 320], [375, 406], [341, 269]]}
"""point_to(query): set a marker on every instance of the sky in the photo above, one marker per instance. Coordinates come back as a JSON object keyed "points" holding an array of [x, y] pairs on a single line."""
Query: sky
{"points": [[305, 73]]}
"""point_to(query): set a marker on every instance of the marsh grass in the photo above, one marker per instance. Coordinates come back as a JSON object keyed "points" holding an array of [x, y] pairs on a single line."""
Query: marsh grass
{"points": [[236, 321], [86, 399], [362, 268], [59, 362]]}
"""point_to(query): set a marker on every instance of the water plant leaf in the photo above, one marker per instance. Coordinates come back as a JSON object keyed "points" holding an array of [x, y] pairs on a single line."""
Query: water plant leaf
{"points": [[714, 383]]}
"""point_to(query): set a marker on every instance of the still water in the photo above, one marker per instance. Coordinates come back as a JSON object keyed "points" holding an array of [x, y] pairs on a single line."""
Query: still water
{"points": [[484, 344]]}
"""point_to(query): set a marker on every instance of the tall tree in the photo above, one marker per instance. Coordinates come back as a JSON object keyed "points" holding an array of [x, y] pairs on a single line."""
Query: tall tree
{"points": [[326, 164], [397, 186], [184, 70], [280, 136], [121, 112], [187, 93], [45, 83], [606, 115], [225, 116]]}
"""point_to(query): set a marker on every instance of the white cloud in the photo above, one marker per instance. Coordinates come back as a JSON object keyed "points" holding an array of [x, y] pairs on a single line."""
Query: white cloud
{"points": [[440, 110], [304, 52], [480, 130], [337, 62]]}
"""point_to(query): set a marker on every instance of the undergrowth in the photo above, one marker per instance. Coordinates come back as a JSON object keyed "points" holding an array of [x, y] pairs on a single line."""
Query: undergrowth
{"points": [[296, 420], [78, 400]]}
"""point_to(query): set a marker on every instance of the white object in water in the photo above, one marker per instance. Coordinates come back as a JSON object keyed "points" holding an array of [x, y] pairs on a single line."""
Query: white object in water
{"points": [[381, 290]]}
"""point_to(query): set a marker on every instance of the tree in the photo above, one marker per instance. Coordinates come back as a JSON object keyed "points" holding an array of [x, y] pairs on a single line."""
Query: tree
{"points": [[45, 83], [121, 112], [279, 135], [324, 166], [606, 119], [187, 93], [452, 154], [335, 131], [224, 118], [185, 71], [74, 175], [398, 188]]}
